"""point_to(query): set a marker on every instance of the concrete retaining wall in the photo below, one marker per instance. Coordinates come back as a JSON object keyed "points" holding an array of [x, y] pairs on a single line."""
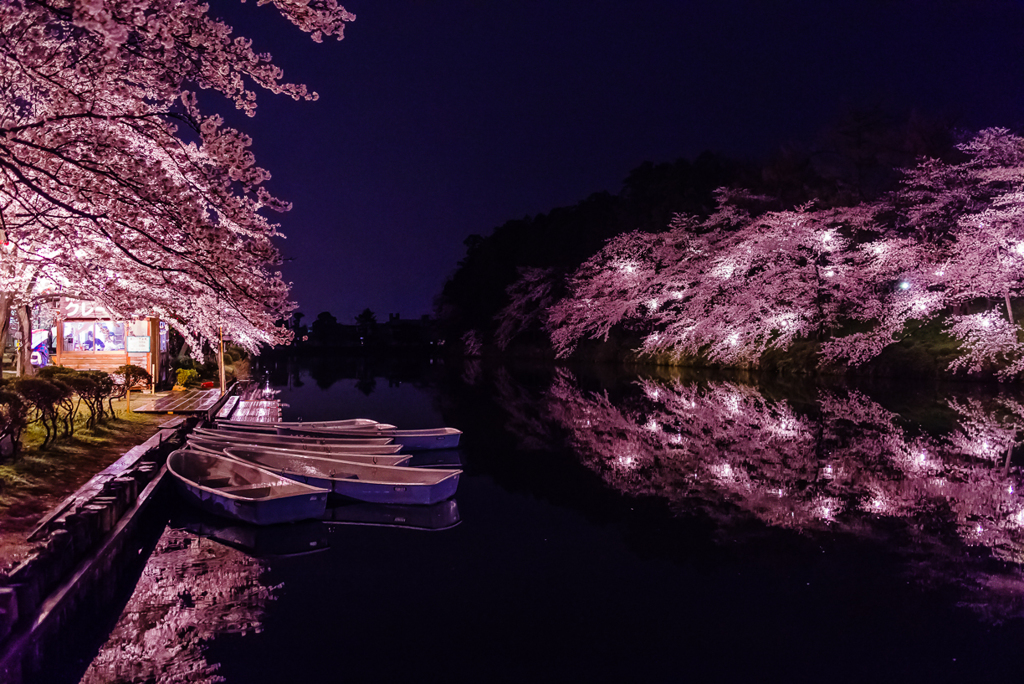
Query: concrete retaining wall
{"points": [[84, 545]]}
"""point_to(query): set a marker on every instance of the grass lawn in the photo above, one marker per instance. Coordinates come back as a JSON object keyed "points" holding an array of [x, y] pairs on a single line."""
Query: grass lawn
{"points": [[38, 480]]}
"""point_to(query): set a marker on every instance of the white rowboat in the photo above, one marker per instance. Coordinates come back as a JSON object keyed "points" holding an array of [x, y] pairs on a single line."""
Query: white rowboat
{"points": [[412, 440], [219, 448], [371, 483], [292, 440], [242, 491]]}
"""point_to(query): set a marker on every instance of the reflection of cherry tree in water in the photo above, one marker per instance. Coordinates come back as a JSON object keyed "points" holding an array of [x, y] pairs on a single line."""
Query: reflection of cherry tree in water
{"points": [[847, 467], [191, 591]]}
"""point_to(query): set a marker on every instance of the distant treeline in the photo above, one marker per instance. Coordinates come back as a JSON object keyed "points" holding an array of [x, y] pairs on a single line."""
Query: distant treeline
{"points": [[365, 333], [857, 160]]}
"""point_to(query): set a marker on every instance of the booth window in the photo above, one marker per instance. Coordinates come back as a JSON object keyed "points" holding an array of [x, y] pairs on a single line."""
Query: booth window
{"points": [[93, 336]]}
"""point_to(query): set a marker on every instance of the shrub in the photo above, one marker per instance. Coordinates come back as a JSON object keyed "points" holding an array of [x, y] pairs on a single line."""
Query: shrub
{"points": [[187, 376], [49, 372], [13, 418], [104, 391], [44, 396], [86, 389]]}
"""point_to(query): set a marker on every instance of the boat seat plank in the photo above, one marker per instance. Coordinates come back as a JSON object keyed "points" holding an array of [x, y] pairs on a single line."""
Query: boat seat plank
{"points": [[214, 482], [249, 491]]}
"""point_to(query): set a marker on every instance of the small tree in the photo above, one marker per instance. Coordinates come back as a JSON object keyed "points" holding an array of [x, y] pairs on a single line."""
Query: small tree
{"points": [[133, 375], [13, 418], [85, 387], [70, 406], [367, 317], [44, 396], [103, 391]]}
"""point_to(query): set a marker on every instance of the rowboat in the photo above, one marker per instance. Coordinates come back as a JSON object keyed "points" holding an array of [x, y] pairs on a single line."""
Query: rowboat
{"points": [[235, 489], [284, 440], [219, 447], [371, 483], [430, 438], [347, 424], [253, 440]]}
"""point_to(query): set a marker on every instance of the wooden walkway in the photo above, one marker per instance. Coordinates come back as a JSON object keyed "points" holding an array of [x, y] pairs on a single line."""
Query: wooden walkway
{"points": [[258, 411], [189, 401], [202, 400]]}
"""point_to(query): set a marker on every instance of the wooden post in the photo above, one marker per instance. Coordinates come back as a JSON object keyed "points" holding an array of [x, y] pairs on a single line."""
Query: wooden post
{"points": [[154, 351], [25, 350], [220, 359]]}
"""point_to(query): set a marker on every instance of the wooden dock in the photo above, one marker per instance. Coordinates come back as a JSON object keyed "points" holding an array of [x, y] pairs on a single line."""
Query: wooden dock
{"points": [[257, 411]]}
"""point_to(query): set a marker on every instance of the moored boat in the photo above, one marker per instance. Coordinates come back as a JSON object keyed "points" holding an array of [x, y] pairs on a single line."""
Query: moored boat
{"points": [[346, 424], [362, 482], [430, 438], [235, 489], [323, 440], [219, 447]]}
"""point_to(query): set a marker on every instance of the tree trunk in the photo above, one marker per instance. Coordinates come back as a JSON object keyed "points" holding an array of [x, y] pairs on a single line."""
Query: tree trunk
{"points": [[1009, 308], [25, 353], [5, 325]]}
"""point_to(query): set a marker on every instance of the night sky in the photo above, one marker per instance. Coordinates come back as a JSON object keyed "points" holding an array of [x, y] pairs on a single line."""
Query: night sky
{"points": [[438, 119]]}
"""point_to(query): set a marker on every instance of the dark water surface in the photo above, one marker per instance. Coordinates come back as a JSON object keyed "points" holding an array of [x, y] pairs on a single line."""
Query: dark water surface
{"points": [[614, 528]]}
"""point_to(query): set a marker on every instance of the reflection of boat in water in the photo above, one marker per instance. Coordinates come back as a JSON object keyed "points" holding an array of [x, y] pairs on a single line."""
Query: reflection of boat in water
{"points": [[440, 516], [435, 459], [267, 541], [242, 491]]}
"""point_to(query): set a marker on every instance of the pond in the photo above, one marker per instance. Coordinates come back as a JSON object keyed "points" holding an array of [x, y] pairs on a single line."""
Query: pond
{"points": [[615, 527]]}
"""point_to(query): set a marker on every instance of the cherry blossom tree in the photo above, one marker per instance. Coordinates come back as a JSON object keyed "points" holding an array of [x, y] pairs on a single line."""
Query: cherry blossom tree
{"points": [[966, 248], [852, 279], [728, 288], [113, 183]]}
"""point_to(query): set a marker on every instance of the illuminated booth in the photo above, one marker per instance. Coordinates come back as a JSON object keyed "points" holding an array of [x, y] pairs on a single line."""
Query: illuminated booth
{"points": [[89, 338]]}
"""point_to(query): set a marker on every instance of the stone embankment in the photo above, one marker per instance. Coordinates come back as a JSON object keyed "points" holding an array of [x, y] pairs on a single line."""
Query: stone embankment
{"points": [[85, 547]]}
